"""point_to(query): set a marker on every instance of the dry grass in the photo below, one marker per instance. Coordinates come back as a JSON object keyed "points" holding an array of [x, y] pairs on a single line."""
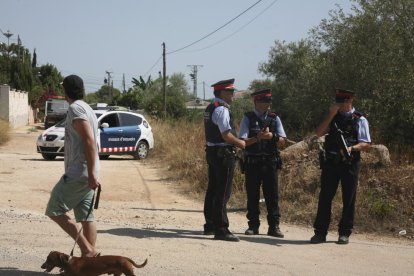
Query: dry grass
{"points": [[4, 132], [385, 200]]}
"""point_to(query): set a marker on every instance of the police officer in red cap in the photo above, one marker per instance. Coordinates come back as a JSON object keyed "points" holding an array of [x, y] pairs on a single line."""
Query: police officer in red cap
{"points": [[262, 130], [347, 135], [221, 141]]}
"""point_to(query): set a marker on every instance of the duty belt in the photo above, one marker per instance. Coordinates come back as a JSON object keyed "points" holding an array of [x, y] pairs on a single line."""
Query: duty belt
{"points": [[253, 159], [222, 151]]}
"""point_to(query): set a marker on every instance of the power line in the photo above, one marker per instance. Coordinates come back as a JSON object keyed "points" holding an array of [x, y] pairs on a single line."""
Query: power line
{"points": [[152, 67], [204, 37], [238, 30]]}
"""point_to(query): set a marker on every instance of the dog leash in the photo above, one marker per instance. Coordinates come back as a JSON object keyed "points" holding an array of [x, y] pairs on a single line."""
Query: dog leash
{"points": [[94, 205]]}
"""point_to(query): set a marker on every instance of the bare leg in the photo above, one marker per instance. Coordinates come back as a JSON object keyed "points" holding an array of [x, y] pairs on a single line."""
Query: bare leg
{"points": [[89, 231], [69, 226]]}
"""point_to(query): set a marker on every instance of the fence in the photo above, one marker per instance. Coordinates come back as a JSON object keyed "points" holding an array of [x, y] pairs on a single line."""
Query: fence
{"points": [[15, 108]]}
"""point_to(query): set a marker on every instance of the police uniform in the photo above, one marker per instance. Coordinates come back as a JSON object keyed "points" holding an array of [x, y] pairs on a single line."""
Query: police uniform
{"points": [[261, 162], [221, 162], [337, 168]]}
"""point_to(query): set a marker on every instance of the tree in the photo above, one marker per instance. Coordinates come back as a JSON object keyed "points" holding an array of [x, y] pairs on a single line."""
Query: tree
{"points": [[34, 60], [105, 94], [370, 51], [151, 99], [141, 83]]}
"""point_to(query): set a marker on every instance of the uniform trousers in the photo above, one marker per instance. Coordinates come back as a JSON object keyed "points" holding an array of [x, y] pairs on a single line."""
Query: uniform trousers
{"points": [[262, 173], [220, 181], [331, 175]]}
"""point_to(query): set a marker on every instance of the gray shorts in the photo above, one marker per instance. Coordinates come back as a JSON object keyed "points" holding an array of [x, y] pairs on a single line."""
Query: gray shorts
{"points": [[71, 194]]}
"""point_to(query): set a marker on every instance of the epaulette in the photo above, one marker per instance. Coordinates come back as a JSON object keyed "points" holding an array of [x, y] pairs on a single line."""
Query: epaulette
{"points": [[272, 114], [357, 115], [217, 104]]}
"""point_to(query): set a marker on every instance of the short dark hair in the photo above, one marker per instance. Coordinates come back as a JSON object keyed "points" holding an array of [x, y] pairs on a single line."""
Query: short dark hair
{"points": [[74, 87]]}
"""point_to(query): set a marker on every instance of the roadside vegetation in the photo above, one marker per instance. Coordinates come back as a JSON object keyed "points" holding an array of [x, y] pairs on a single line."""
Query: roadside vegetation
{"points": [[4, 132], [385, 199]]}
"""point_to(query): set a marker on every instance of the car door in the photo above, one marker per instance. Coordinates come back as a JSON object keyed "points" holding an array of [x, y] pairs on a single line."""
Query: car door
{"points": [[110, 137], [130, 124]]}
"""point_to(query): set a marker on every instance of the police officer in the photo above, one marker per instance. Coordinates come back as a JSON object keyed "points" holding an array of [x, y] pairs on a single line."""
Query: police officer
{"points": [[336, 167], [221, 140], [262, 131]]}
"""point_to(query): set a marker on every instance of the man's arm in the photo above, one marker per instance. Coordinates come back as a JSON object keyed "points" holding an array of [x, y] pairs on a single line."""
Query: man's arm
{"points": [[364, 138], [361, 146], [231, 139], [84, 131], [323, 127], [244, 132]]}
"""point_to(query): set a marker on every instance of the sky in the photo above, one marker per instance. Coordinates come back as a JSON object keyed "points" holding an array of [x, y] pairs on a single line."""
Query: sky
{"points": [[125, 37]]}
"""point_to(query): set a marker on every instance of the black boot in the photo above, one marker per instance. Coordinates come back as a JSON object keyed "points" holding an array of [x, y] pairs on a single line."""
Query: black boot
{"points": [[228, 236], [343, 239], [252, 231], [208, 229], [318, 239], [275, 232]]}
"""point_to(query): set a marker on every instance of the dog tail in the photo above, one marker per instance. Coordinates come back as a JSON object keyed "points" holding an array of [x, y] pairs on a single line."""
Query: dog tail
{"points": [[137, 265]]}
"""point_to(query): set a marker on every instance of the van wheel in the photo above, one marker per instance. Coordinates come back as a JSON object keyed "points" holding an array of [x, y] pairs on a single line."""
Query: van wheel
{"points": [[141, 151]]}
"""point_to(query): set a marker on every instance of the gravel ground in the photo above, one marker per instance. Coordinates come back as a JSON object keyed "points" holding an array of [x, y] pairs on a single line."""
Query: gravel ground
{"points": [[143, 215]]}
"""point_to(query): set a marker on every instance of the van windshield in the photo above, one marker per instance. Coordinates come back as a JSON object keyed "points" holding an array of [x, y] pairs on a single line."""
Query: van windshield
{"points": [[58, 106]]}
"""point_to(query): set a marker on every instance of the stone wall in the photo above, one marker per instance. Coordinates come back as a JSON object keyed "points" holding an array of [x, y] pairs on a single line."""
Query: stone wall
{"points": [[14, 106]]}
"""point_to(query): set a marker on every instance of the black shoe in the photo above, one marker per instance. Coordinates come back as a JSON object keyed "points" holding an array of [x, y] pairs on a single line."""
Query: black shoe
{"points": [[208, 232], [252, 231], [208, 229], [275, 232], [343, 239], [226, 237], [318, 239]]}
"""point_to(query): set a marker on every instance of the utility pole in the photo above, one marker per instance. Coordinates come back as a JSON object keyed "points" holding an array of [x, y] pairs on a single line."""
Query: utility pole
{"points": [[204, 90], [193, 76], [164, 80], [110, 84], [8, 34]]}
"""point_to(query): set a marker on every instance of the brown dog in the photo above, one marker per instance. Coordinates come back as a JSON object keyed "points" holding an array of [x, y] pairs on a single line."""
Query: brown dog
{"points": [[90, 266]]}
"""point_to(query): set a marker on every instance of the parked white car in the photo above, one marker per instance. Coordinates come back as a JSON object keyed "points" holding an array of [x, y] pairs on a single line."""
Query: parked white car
{"points": [[121, 132], [51, 142]]}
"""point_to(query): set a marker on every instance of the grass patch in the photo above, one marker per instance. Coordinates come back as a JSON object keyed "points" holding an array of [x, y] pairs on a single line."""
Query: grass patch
{"points": [[4, 132]]}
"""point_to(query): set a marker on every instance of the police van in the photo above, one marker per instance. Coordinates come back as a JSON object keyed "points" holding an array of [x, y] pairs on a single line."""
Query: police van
{"points": [[120, 132]]}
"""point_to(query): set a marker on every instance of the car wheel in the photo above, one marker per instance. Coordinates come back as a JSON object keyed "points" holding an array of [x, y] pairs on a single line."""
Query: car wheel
{"points": [[49, 156], [103, 157], [141, 151]]}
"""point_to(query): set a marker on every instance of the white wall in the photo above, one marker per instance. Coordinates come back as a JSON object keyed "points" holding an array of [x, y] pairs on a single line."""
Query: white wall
{"points": [[14, 106]]}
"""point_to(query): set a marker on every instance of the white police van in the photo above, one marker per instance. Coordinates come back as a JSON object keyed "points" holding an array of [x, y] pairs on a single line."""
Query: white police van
{"points": [[121, 132]]}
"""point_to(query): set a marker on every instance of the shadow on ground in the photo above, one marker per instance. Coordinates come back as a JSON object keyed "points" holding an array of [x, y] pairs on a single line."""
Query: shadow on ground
{"points": [[13, 271], [198, 235], [155, 233]]}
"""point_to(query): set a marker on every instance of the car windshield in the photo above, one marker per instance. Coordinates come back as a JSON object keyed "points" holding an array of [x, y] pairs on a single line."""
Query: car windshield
{"points": [[61, 123], [98, 115]]}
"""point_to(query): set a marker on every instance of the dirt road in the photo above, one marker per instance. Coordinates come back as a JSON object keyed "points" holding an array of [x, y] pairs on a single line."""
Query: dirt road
{"points": [[142, 215]]}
